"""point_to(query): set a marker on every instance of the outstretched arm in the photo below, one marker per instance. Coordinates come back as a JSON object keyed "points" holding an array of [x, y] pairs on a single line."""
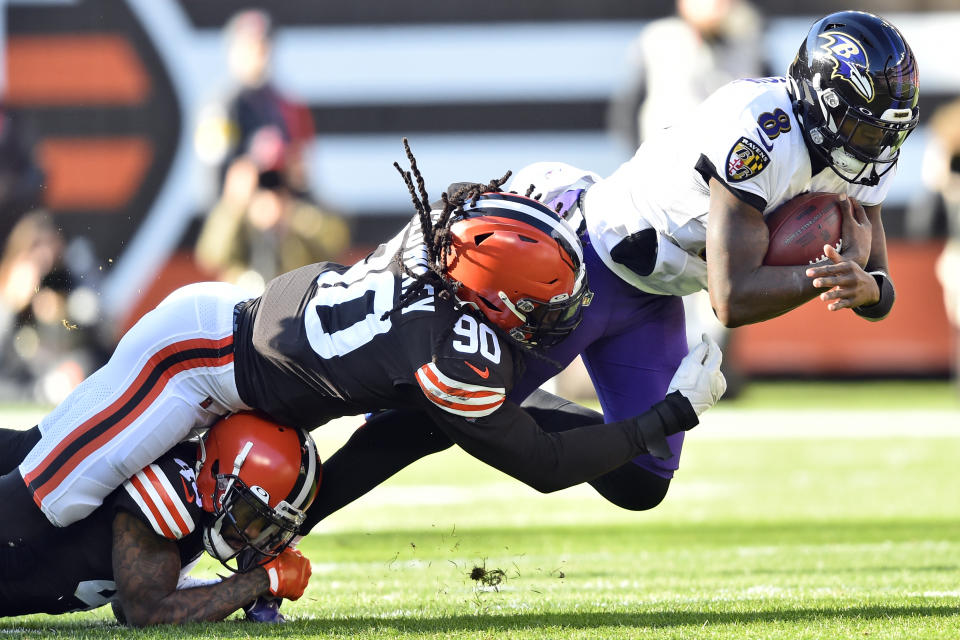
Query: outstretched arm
{"points": [[146, 568], [515, 441], [511, 441]]}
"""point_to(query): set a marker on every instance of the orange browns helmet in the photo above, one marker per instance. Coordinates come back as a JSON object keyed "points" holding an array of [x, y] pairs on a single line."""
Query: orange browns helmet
{"points": [[521, 265], [256, 478]]}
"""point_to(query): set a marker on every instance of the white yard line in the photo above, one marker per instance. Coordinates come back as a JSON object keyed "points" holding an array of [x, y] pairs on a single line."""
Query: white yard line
{"points": [[723, 423]]}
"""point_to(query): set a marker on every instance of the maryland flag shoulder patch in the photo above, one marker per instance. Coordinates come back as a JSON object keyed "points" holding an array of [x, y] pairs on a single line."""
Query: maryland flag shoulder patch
{"points": [[745, 160]]}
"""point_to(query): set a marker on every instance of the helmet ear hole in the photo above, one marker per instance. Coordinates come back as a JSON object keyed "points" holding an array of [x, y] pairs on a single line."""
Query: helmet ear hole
{"points": [[479, 238], [489, 304]]}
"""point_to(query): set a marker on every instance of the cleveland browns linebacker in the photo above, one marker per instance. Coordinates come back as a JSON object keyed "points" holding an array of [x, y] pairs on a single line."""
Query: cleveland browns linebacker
{"points": [[440, 319], [244, 486]]}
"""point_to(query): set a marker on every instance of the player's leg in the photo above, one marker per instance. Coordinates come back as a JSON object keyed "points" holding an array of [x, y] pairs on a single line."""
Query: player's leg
{"points": [[631, 486], [385, 444], [15, 557], [630, 372], [631, 343], [15, 444], [171, 373]]}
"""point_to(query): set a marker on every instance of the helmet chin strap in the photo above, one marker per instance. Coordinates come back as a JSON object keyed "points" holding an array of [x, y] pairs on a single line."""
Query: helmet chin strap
{"points": [[237, 463], [216, 545], [202, 458], [213, 540], [241, 457], [511, 306], [847, 163], [839, 161], [854, 170]]}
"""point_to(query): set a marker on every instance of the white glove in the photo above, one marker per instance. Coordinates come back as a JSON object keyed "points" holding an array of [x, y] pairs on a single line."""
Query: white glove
{"points": [[698, 377]]}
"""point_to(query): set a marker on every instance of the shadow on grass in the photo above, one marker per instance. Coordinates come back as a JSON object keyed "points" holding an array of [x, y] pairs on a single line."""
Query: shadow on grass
{"points": [[481, 622], [590, 620]]}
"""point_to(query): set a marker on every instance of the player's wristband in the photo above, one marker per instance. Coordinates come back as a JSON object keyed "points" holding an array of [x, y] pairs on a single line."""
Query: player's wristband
{"points": [[682, 416], [887, 295], [671, 415]]}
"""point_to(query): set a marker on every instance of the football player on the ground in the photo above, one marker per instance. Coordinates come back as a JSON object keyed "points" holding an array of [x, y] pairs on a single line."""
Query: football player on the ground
{"points": [[440, 319], [686, 213], [245, 488]]}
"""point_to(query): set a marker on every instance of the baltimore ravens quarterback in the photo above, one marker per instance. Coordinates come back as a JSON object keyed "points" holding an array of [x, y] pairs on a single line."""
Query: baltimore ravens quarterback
{"points": [[687, 213]]}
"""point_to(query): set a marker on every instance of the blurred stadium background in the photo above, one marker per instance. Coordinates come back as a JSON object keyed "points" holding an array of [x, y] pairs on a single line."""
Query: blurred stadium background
{"points": [[112, 91]]}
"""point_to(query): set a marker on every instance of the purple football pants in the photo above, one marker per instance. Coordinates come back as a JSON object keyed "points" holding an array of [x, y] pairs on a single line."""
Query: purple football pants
{"points": [[631, 342]]}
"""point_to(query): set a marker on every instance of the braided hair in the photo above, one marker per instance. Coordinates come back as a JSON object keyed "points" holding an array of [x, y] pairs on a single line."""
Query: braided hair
{"points": [[436, 233], [438, 240]]}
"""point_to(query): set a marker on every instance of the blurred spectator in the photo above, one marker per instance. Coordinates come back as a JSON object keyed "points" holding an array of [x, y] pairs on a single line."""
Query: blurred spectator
{"points": [[261, 228], [937, 212], [252, 104], [675, 63], [48, 312], [266, 221], [21, 178], [48, 304]]}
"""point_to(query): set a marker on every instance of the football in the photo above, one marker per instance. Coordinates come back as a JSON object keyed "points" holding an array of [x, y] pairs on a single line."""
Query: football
{"points": [[801, 226]]}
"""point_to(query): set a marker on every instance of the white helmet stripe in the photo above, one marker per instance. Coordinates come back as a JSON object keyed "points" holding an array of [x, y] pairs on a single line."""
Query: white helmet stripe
{"points": [[553, 222]]}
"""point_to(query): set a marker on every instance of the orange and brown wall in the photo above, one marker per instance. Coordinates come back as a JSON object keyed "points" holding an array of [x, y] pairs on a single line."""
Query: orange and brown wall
{"points": [[102, 107]]}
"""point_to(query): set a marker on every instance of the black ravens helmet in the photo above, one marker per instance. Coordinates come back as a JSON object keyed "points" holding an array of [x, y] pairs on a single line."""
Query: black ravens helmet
{"points": [[854, 86]]}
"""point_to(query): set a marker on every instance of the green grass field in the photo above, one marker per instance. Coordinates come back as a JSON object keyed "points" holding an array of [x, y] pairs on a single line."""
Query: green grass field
{"points": [[785, 521]]}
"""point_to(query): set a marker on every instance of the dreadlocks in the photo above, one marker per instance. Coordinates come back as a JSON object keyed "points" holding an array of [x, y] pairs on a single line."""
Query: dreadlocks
{"points": [[436, 232], [438, 239]]}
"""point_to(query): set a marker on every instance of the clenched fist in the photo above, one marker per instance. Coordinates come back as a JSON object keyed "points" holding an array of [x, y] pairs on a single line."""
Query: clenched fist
{"points": [[289, 573]]}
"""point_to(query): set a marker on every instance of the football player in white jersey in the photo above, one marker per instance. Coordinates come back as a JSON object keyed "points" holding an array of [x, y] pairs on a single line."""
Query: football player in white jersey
{"points": [[687, 213], [834, 124]]}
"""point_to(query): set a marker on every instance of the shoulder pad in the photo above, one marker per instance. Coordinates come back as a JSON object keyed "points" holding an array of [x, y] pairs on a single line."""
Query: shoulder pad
{"points": [[755, 115], [471, 371], [165, 495], [452, 394]]}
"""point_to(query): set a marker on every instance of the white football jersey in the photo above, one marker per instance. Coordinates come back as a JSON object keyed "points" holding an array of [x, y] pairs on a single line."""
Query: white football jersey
{"points": [[746, 135]]}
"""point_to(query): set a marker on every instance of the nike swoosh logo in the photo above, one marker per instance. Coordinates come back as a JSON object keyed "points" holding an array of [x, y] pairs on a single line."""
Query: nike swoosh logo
{"points": [[186, 490], [483, 374], [764, 142]]}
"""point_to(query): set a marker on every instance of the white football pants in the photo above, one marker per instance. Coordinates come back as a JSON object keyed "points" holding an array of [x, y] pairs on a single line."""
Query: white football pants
{"points": [[170, 374]]}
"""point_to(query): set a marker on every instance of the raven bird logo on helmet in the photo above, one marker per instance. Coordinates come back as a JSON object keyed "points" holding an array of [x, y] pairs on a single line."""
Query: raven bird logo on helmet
{"points": [[850, 62], [256, 479], [855, 87], [521, 266]]}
